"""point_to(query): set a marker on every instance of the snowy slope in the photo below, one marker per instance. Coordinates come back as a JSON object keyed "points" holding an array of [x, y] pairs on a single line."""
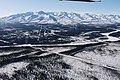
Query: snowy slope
{"points": [[62, 18]]}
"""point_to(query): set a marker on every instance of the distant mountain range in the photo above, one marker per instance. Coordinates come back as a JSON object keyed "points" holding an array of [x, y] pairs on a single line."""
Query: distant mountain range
{"points": [[65, 18]]}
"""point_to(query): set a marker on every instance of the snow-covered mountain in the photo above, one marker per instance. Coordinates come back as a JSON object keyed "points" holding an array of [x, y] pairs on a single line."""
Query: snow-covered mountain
{"points": [[62, 18]]}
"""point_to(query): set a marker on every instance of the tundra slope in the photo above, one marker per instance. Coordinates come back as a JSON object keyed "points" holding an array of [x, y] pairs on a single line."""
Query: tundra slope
{"points": [[93, 62]]}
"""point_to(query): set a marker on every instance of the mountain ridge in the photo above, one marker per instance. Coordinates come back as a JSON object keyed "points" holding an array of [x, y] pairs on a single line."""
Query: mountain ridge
{"points": [[64, 18]]}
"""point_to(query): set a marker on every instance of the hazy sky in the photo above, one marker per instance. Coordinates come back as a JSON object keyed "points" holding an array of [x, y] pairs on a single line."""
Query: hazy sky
{"points": [[8, 7]]}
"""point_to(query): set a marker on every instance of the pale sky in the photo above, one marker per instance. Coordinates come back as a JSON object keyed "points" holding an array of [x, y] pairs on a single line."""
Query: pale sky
{"points": [[8, 7]]}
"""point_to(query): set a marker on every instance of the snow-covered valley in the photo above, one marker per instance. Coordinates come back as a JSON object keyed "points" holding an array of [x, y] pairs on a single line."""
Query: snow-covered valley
{"points": [[59, 46], [93, 62]]}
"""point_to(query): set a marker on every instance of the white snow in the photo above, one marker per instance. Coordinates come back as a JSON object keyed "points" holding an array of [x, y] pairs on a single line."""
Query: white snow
{"points": [[111, 38], [4, 41], [81, 70], [108, 55], [9, 52], [11, 68], [59, 49], [54, 50]]}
